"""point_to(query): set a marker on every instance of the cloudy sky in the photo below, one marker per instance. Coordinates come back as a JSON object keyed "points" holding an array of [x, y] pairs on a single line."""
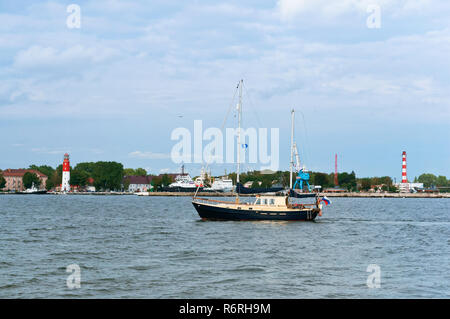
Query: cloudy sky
{"points": [[116, 88]]}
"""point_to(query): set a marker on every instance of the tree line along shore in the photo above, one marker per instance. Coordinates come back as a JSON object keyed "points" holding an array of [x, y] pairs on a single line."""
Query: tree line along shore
{"points": [[212, 194], [109, 176]]}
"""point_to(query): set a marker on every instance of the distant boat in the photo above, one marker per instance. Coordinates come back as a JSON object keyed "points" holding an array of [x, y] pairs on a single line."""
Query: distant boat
{"points": [[32, 191], [183, 183], [223, 184], [262, 207]]}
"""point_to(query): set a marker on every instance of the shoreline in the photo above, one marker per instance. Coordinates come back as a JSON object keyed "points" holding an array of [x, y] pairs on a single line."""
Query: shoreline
{"points": [[230, 194]]}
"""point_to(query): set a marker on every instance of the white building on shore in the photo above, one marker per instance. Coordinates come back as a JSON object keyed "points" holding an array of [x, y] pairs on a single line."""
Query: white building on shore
{"points": [[409, 187]]}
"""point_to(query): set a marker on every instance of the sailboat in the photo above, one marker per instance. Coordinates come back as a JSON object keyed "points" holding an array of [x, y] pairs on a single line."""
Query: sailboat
{"points": [[260, 207]]}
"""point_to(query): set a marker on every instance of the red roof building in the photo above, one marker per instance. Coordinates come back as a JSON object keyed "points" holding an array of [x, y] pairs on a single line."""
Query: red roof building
{"points": [[14, 178], [138, 183]]}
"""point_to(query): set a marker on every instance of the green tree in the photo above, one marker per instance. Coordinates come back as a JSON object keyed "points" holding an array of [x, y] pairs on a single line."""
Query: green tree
{"points": [[267, 182], [233, 177], [58, 175], [34, 167], [366, 184], [441, 181], [255, 184], [49, 184], [393, 189], [283, 178], [44, 169], [134, 172], [56, 179], [126, 183], [78, 177], [49, 172], [321, 179], [107, 175], [166, 180], [140, 172], [129, 172], [29, 179], [347, 181], [2, 181], [427, 179], [386, 180], [88, 167], [156, 183]]}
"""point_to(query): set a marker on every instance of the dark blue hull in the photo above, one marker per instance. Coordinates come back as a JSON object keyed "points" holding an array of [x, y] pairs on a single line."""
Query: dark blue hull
{"points": [[34, 193], [210, 212]]}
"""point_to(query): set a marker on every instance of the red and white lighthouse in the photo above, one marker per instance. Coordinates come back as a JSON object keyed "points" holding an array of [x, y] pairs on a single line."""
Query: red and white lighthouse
{"points": [[65, 186], [404, 179]]}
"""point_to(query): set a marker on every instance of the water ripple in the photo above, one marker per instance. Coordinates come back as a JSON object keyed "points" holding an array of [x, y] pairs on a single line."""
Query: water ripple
{"points": [[157, 247]]}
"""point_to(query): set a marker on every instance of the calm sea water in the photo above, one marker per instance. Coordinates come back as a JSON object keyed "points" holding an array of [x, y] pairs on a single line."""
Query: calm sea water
{"points": [[156, 247]]}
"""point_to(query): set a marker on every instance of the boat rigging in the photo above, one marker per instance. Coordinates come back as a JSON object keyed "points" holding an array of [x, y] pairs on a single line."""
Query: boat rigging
{"points": [[263, 207]]}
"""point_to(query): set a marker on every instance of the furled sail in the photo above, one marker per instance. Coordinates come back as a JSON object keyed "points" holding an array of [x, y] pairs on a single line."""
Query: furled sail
{"points": [[241, 189]]}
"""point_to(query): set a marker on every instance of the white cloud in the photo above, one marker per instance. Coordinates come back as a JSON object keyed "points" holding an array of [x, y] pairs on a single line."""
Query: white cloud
{"points": [[289, 9], [184, 60], [52, 151], [148, 155], [96, 151], [226, 9], [149, 62], [365, 84], [37, 56]]}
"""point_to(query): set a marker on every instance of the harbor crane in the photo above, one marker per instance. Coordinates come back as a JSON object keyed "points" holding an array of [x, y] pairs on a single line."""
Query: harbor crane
{"points": [[302, 175]]}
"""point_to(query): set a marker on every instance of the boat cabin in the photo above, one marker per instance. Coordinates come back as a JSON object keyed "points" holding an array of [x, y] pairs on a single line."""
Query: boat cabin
{"points": [[271, 201]]}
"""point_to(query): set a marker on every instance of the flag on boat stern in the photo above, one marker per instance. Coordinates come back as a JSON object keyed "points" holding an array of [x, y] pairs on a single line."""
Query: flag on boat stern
{"points": [[326, 200]]}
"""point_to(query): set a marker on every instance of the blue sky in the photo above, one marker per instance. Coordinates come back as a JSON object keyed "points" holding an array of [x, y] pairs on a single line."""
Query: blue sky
{"points": [[116, 88]]}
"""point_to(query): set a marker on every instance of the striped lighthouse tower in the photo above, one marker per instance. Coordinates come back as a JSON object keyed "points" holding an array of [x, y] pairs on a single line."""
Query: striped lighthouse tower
{"points": [[404, 179], [65, 186]]}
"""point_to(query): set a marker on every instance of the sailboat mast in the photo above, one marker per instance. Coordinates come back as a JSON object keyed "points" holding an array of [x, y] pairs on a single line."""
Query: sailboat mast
{"points": [[292, 148], [239, 131]]}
